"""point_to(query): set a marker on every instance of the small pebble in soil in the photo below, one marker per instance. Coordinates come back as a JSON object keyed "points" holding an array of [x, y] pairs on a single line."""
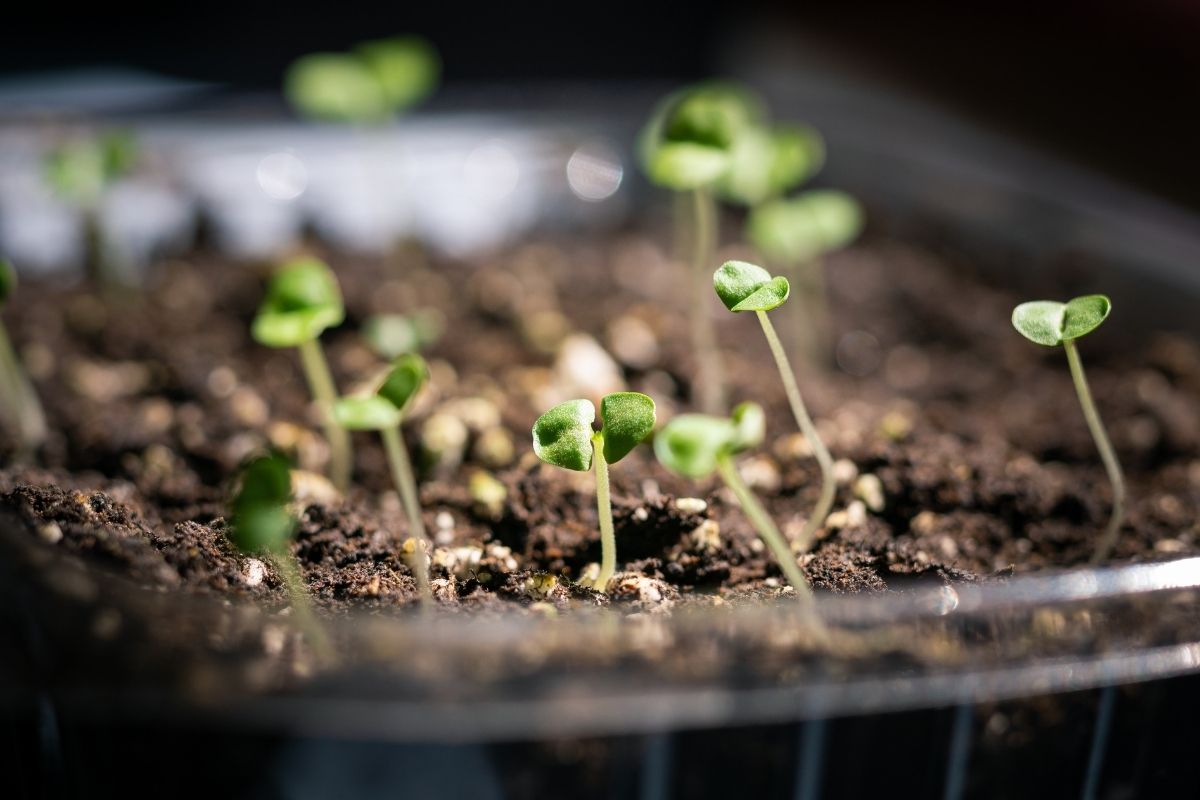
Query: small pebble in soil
{"points": [[50, 533], [584, 369], [691, 505], [494, 448], [478, 413], [253, 572], [706, 537], [443, 437], [869, 489], [633, 342], [760, 472], [488, 495], [844, 471]]}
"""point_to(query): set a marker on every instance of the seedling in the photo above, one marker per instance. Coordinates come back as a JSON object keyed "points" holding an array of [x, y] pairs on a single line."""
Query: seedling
{"points": [[697, 445], [748, 287], [20, 400], [564, 437], [378, 79], [302, 300], [1048, 323], [262, 524], [797, 234], [383, 411], [80, 171], [766, 162]]}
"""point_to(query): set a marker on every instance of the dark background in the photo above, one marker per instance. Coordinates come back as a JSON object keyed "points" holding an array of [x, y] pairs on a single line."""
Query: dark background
{"points": [[1113, 85]]}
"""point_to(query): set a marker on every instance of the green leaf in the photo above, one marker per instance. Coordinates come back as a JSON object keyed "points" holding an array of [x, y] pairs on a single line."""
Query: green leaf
{"points": [[713, 114], [798, 230], [743, 286], [336, 86], [798, 153], [750, 426], [119, 153], [261, 520], [266, 479], [1084, 315], [763, 163], [628, 418], [262, 528], [407, 376], [76, 171], [302, 300], [683, 166], [8, 280], [563, 435], [370, 413], [691, 444], [406, 67]]}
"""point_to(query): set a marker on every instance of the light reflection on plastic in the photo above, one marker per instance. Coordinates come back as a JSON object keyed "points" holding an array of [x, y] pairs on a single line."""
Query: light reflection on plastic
{"points": [[282, 176], [492, 171], [594, 172]]}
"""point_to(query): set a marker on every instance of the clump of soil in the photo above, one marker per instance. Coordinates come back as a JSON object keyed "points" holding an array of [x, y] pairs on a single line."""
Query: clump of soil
{"points": [[962, 451]]}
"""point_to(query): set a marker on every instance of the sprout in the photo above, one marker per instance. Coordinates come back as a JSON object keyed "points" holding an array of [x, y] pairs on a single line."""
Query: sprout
{"points": [[392, 335], [1048, 323], [564, 437], [748, 287], [383, 411], [262, 524], [697, 445], [379, 79], [19, 399], [302, 300], [764, 163], [797, 234]]}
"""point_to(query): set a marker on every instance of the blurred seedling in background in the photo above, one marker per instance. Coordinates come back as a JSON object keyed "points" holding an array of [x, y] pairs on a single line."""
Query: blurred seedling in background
{"points": [[262, 524], [20, 401], [383, 411], [372, 83], [796, 234], [687, 146], [697, 445], [564, 437], [80, 171], [392, 335], [1050, 323], [748, 287], [302, 300]]}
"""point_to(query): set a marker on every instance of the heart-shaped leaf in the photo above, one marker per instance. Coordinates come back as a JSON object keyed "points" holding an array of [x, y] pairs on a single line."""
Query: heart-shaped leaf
{"points": [[683, 166], [406, 377], [713, 114], [1050, 323], [628, 418], [302, 300], [261, 520], [336, 86], [743, 286], [563, 435], [369, 413], [406, 67], [691, 444], [798, 230], [1084, 315]]}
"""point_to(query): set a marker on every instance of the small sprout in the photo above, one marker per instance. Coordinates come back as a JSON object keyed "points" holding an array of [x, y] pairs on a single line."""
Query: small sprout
{"points": [[1049, 323], [383, 411], [392, 335], [687, 166], [748, 287], [302, 301], [20, 401], [376, 80], [765, 163], [799, 230], [406, 67], [262, 524], [697, 445], [564, 437]]}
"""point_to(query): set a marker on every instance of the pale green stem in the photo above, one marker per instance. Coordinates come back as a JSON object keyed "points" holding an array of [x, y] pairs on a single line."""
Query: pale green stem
{"points": [[406, 485], [320, 382], [21, 398], [765, 527], [302, 611], [608, 538], [816, 303], [709, 378], [828, 485], [1107, 454]]}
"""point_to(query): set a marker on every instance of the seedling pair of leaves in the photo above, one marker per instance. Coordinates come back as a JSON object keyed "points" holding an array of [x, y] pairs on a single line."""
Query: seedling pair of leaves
{"points": [[374, 81], [19, 399], [698, 445], [1051, 324], [383, 411], [564, 436]]}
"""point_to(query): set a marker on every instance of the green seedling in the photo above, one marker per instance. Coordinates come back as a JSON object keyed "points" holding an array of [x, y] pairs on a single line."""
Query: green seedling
{"points": [[748, 287], [766, 162], [262, 524], [697, 445], [1048, 323], [375, 81], [302, 300], [80, 171], [564, 437], [392, 335], [383, 411], [797, 234], [687, 146], [20, 400]]}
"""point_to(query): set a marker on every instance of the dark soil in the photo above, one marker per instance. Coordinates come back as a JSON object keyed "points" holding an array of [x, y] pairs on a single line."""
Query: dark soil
{"points": [[964, 455]]}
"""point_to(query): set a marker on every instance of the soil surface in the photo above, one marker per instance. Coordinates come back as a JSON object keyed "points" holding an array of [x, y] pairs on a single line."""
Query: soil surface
{"points": [[962, 453]]}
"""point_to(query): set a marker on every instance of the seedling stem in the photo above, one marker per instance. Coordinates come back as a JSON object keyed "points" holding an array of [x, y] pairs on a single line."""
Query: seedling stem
{"points": [[402, 474], [608, 538], [704, 339], [320, 382], [302, 612]]}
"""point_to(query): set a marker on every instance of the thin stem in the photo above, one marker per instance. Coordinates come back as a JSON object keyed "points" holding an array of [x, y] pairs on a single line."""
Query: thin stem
{"points": [[320, 382], [817, 302], [21, 398], [302, 612], [765, 526], [608, 538], [1107, 454], [402, 475], [704, 338], [828, 486]]}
